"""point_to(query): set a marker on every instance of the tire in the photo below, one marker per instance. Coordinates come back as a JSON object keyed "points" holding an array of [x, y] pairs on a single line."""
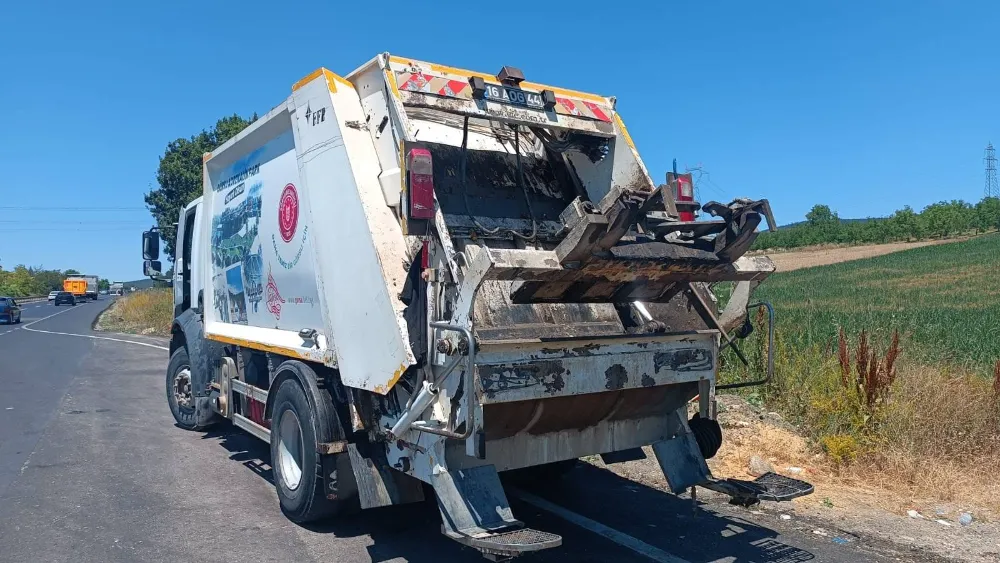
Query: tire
{"points": [[184, 415], [295, 463], [708, 435], [18, 321]]}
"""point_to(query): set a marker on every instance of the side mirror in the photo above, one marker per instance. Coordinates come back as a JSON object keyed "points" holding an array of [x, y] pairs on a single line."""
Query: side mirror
{"points": [[150, 245], [152, 268]]}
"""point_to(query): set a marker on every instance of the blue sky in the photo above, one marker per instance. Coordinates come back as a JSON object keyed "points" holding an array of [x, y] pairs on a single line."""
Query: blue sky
{"points": [[865, 106]]}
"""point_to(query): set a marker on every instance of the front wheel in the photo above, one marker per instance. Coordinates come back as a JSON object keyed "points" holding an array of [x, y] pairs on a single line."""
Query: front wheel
{"points": [[179, 395], [18, 321], [296, 464]]}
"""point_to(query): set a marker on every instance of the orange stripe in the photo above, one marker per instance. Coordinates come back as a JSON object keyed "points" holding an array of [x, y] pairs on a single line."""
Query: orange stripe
{"points": [[259, 346], [331, 79]]}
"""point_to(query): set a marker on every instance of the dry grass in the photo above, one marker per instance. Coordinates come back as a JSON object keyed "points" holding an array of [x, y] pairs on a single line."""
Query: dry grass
{"points": [[880, 429], [143, 312], [937, 445]]}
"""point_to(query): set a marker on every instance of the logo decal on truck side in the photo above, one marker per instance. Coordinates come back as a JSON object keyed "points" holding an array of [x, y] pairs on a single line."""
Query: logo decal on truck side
{"points": [[288, 212], [274, 299]]}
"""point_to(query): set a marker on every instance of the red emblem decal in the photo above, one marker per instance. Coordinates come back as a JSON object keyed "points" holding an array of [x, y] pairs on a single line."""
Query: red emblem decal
{"points": [[288, 213], [274, 299]]}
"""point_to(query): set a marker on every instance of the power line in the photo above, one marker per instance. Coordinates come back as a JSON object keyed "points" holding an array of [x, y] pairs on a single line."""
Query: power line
{"points": [[84, 229], [87, 222], [67, 208]]}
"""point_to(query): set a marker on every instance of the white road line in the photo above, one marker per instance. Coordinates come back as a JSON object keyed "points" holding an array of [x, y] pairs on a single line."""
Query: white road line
{"points": [[621, 538], [27, 326], [98, 338]]}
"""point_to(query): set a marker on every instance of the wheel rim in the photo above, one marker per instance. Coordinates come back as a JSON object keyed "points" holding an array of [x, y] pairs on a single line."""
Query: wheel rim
{"points": [[290, 449], [182, 387]]}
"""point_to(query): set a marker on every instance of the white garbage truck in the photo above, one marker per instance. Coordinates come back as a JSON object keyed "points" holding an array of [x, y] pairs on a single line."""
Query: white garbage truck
{"points": [[415, 274]]}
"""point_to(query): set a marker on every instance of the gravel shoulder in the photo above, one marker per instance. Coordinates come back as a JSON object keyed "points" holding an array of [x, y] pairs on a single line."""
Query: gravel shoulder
{"points": [[840, 510]]}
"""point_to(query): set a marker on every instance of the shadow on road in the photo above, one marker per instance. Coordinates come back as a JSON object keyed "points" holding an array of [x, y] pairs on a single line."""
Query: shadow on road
{"points": [[665, 521]]}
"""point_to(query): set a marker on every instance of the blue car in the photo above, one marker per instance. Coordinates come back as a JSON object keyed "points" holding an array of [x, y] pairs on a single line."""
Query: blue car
{"points": [[9, 310]]}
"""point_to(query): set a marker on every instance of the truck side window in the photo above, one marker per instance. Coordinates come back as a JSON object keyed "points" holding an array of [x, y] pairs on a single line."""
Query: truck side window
{"points": [[186, 260]]}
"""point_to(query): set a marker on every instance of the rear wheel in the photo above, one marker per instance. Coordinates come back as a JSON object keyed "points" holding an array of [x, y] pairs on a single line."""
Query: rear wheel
{"points": [[295, 462]]}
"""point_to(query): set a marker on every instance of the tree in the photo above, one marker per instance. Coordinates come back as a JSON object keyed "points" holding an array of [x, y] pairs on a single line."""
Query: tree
{"points": [[821, 215], [49, 280], [103, 284], [179, 175], [988, 214], [71, 272]]}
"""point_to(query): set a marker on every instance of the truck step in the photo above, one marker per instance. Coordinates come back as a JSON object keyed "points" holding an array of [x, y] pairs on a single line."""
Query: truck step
{"points": [[502, 545], [771, 486]]}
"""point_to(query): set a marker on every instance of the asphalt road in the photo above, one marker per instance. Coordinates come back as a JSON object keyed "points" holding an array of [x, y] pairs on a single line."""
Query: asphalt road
{"points": [[92, 468]]}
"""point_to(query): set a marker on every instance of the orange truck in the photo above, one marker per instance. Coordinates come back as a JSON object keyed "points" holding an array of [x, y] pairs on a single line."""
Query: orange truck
{"points": [[82, 287]]}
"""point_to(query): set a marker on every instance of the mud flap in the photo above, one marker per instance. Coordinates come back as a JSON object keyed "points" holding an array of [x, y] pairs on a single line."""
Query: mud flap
{"points": [[475, 512], [380, 485], [681, 461]]}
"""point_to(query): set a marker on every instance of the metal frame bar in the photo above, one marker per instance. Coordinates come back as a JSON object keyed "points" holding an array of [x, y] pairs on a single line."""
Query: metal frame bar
{"points": [[770, 350], [469, 383], [247, 390], [252, 427]]}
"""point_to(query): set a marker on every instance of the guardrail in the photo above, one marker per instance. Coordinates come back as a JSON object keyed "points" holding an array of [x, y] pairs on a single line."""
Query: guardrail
{"points": [[31, 299]]}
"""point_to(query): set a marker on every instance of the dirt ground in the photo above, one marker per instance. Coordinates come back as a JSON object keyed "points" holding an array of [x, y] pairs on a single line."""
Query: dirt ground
{"points": [[787, 261], [839, 505]]}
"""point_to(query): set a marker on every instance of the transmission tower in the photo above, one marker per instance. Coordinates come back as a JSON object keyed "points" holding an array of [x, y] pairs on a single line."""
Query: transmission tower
{"points": [[991, 190]]}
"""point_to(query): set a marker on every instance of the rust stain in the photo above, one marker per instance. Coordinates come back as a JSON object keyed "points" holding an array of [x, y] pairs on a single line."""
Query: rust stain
{"points": [[683, 359], [586, 349], [617, 377], [498, 379]]}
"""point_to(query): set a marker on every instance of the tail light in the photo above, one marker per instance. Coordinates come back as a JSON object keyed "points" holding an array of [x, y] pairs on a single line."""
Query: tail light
{"points": [[685, 195], [421, 170]]}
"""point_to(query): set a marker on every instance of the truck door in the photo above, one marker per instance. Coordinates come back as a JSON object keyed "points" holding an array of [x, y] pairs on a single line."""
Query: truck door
{"points": [[182, 266]]}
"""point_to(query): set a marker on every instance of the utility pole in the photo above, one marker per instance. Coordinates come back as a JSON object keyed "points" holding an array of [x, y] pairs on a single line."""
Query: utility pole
{"points": [[991, 189]]}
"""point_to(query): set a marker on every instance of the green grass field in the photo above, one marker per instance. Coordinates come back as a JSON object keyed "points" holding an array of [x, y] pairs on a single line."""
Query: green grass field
{"points": [[944, 300]]}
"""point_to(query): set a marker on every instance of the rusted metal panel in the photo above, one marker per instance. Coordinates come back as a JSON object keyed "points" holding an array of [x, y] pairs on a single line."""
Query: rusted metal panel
{"points": [[528, 449], [624, 279], [497, 318], [520, 372], [576, 412]]}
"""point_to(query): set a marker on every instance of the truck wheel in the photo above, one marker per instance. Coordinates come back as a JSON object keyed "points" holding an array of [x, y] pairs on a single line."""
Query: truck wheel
{"points": [[179, 395], [295, 463]]}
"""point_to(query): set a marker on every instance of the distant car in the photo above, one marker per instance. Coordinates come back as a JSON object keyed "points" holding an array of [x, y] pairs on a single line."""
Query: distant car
{"points": [[9, 310], [52, 295], [64, 297], [104, 292]]}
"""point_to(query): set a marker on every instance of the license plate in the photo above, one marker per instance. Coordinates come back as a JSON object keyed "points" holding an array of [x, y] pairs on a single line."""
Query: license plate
{"points": [[514, 96]]}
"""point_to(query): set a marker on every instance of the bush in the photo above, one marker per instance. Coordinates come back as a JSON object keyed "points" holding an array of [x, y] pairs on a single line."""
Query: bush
{"points": [[144, 312]]}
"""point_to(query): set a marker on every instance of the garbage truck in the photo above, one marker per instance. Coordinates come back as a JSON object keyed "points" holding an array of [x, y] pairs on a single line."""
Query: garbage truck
{"points": [[414, 278]]}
